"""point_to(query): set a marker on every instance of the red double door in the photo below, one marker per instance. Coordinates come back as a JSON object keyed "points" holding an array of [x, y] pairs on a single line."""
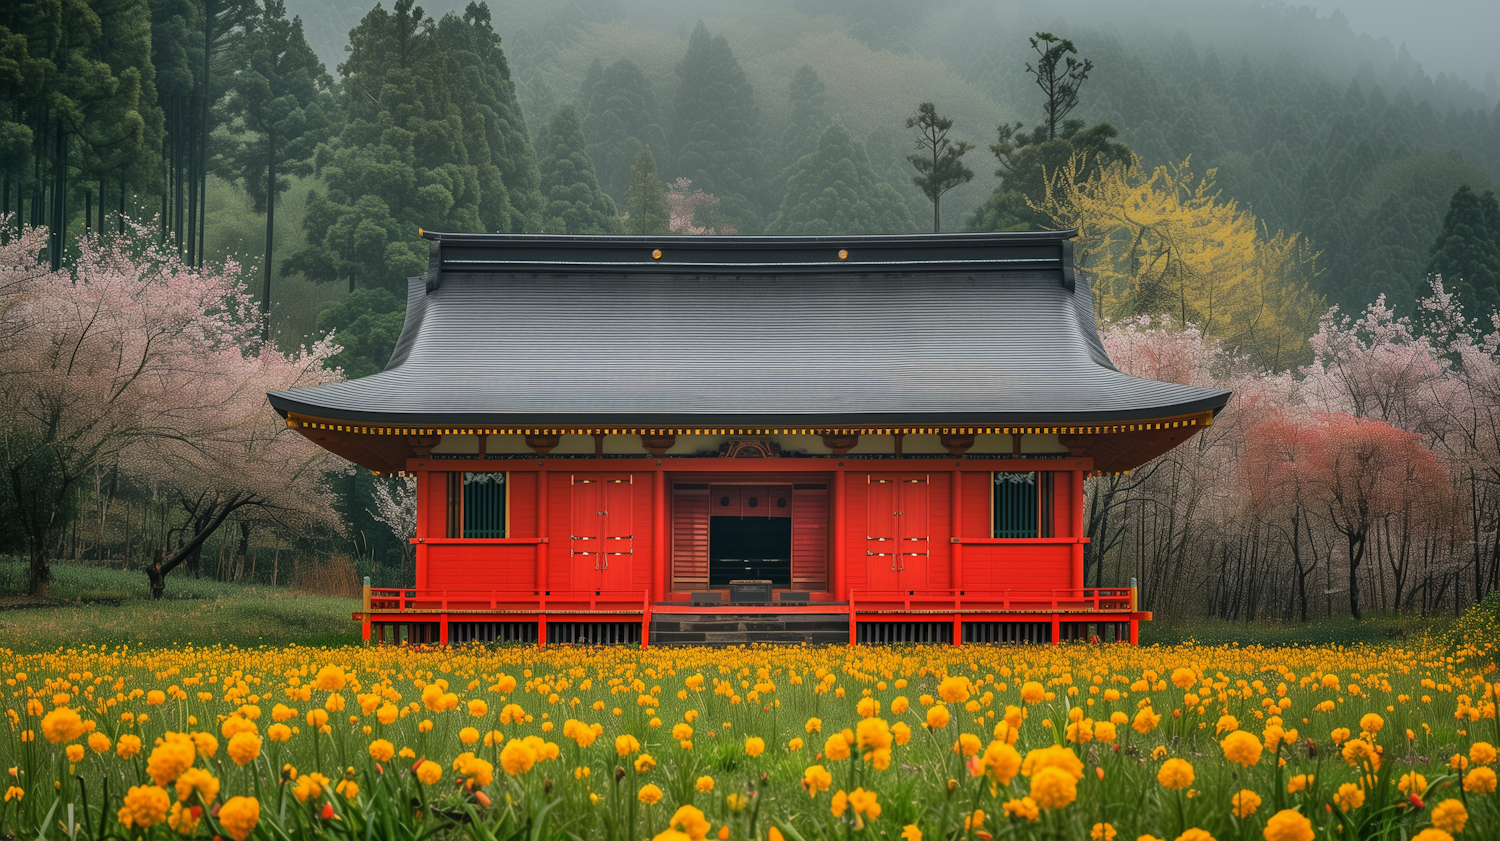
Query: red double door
{"points": [[898, 545], [601, 539]]}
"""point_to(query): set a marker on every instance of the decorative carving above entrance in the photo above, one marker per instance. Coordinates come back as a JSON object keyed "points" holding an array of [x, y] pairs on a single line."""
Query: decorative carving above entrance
{"points": [[749, 448], [543, 444], [842, 444]]}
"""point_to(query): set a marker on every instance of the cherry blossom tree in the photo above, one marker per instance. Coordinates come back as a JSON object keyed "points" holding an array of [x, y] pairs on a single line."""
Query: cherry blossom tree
{"points": [[133, 358], [694, 211]]}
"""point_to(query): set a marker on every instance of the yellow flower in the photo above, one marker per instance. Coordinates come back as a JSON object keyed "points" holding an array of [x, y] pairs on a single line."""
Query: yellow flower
{"points": [[14, 793], [99, 742], [145, 806], [967, 745], [736, 802], [839, 805], [349, 789], [644, 763], [626, 744], [690, 821], [330, 678], [814, 725], [1371, 723], [815, 779], [1339, 735], [517, 757], [1195, 834], [1001, 762], [244, 747], [954, 690], [1175, 774], [1349, 797], [1450, 816], [183, 820], [475, 772], [1227, 724], [382, 750], [867, 707], [1482, 753], [1412, 783], [429, 772], [74, 753], [1145, 721], [170, 758], [1055, 756], [1241, 748], [200, 782], [278, 733], [899, 706], [238, 816], [1033, 692], [62, 725], [1299, 783], [755, 746], [1288, 825], [864, 803], [1053, 788], [1183, 678], [468, 735], [1432, 835], [836, 747], [1244, 803], [1103, 832], [1024, 808], [704, 784], [974, 821], [648, 794], [1480, 781], [901, 732], [478, 708], [910, 832], [937, 717], [128, 746]]}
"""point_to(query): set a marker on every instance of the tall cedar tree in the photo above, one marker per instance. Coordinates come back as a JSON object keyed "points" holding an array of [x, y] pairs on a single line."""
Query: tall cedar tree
{"points": [[646, 198], [834, 191], [716, 128], [72, 92], [1467, 250], [575, 204], [939, 162], [806, 125], [1059, 75], [1029, 161], [366, 325], [279, 100], [432, 136], [620, 117]]}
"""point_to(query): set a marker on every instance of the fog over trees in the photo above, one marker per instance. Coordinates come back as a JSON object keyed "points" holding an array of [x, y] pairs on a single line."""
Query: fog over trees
{"points": [[1294, 203]]}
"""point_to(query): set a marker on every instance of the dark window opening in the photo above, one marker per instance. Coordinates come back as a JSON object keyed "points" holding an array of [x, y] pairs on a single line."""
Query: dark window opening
{"points": [[1017, 499], [476, 505], [755, 548]]}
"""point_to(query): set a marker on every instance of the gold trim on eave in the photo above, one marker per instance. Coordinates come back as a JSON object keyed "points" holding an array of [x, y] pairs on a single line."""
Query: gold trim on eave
{"points": [[296, 421]]}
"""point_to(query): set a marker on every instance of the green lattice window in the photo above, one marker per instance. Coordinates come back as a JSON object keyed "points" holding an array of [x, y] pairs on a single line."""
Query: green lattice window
{"points": [[476, 505], [1023, 504]]}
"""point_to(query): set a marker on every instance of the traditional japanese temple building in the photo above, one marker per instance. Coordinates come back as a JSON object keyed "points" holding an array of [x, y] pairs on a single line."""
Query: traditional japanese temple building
{"points": [[708, 439]]}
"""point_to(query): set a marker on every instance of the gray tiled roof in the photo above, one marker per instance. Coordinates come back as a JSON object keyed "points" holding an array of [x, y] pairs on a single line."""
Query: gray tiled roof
{"points": [[964, 329]]}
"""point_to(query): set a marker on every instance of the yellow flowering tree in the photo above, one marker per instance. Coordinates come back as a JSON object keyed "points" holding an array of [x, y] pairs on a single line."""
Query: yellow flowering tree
{"points": [[1166, 242]]}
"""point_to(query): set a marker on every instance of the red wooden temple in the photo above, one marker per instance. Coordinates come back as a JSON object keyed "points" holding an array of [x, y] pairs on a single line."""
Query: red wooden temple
{"points": [[726, 439]]}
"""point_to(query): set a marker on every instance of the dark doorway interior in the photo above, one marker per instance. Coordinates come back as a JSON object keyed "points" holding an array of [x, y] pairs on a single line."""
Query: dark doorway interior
{"points": [[750, 548]]}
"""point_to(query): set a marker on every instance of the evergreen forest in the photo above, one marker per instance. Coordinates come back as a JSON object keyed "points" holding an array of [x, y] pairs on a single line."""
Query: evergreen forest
{"points": [[1253, 153]]}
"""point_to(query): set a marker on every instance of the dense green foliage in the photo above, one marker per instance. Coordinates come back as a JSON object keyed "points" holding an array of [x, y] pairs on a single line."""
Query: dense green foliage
{"points": [[716, 128], [575, 204], [432, 137], [1467, 250], [366, 325], [646, 199], [620, 117], [1029, 161], [833, 191]]}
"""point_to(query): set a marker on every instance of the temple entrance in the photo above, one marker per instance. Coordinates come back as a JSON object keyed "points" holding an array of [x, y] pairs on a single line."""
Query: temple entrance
{"points": [[728, 530]]}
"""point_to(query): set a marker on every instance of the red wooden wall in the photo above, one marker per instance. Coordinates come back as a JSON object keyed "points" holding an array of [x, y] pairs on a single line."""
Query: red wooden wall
{"points": [[868, 506]]}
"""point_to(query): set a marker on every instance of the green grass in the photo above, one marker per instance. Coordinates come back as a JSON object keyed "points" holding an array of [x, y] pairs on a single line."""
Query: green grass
{"points": [[95, 605], [1339, 630]]}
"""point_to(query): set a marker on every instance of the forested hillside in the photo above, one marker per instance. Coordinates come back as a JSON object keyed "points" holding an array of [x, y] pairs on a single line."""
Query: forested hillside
{"points": [[1235, 169]]}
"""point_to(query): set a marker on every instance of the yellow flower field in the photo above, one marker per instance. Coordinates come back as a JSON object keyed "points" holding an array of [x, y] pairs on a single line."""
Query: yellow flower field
{"points": [[781, 744]]}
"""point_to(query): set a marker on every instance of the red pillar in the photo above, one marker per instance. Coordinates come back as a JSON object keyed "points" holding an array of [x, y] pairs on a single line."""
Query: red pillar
{"points": [[541, 531], [957, 548], [424, 524], [658, 535], [1056, 629], [1078, 529], [840, 570]]}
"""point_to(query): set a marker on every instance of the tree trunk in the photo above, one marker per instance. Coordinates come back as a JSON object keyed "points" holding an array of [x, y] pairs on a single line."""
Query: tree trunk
{"points": [[1356, 554], [59, 226], [40, 579], [265, 298]]}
